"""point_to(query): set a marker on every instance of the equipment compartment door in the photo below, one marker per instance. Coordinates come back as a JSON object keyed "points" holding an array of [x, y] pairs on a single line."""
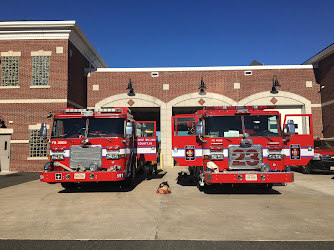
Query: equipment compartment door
{"points": [[299, 149], [186, 148], [146, 140], [4, 152]]}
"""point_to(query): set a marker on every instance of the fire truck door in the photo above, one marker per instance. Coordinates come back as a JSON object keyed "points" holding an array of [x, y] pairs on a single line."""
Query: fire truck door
{"points": [[146, 140], [186, 150], [299, 149]]}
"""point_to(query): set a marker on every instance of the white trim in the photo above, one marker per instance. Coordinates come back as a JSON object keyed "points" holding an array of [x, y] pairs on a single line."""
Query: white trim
{"points": [[10, 87], [11, 53], [37, 126], [39, 86], [19, 141], [316, 105], [6, 131], [327, 103], [288, 98], [75, 104], [34, 101], [66, 30], [201, 68], [321, 55], [122, 99], [37, 158], [41, 53], [220, 100]]}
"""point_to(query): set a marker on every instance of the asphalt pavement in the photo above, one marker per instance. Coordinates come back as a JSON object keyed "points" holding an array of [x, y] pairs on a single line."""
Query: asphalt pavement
{"points": [[42, 215]]}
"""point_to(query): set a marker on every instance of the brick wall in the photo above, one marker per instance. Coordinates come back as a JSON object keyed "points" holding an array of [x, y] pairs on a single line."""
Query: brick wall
{"points": [[23, 115], [325, 76], [67, 84], [23, 111], [77, 80], [58, 69], [220, 82]]}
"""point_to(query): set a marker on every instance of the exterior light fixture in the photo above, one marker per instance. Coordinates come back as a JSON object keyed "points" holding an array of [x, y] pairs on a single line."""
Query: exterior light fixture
{"points": [[275, 84], [202, 88], [131, 92]]}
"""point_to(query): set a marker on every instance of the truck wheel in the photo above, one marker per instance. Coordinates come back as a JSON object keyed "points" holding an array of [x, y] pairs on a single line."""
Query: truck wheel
{"points": [[130, 180], [306, 169]]}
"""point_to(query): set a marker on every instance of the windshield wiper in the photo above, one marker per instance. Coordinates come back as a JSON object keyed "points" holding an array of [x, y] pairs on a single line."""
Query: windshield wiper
{"points": [[101, 135]]}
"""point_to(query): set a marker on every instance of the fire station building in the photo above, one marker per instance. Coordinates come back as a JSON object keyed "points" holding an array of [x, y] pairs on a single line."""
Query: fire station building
{"points": [[51, 64]]}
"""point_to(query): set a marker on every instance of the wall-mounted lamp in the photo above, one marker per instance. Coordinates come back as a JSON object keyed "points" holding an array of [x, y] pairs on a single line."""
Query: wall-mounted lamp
{"points": [[275, 84], [131, 92], [202, 88]]}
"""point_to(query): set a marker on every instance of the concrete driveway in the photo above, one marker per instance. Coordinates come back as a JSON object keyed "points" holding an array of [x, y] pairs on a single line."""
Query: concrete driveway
{"points": [[302, 210]]}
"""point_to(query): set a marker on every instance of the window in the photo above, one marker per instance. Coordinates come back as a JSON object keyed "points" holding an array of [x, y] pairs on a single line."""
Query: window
{"points": [[37, 146], [184, 127], [10, 71], [40, 70], [145, 129], [232, 126], [76, 128]]}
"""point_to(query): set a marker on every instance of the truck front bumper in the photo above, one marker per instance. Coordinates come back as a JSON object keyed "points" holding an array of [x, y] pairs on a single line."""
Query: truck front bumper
{"points": [[249, 177], [92, 176]]}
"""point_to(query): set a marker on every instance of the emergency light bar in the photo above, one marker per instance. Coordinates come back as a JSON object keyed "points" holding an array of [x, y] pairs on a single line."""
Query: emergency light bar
{"points": [[240, 107], [109, 110], [91, 111]]}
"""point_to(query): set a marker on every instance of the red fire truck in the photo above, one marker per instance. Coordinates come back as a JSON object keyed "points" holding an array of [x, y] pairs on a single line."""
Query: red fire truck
{"points": [[242, 144], [97, 145]]}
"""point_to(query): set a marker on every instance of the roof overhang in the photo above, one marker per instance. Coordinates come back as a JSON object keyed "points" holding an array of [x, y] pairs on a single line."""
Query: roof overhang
{"points": [[25, 30], [321, 55], [215, 68]]}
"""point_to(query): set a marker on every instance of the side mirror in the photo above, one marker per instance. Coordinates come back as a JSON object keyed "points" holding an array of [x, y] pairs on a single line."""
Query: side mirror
{"points": [[43, 131], [290, 126], [199, 128], [128, 129]]}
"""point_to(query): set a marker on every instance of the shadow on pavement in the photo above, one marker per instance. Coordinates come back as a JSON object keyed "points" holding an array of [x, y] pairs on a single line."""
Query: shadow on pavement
{"points": [[114, 186], [184, 179], [13, 179]]}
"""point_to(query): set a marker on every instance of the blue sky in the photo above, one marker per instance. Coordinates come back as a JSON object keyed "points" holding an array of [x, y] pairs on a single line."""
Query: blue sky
{"points": [[176, 33]]}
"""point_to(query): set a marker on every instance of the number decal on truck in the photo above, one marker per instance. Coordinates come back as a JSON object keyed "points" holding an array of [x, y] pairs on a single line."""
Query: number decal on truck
{"points": [[244, 157], [239, 161]]}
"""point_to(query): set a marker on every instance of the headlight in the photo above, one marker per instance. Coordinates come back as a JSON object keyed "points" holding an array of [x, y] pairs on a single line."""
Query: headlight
{"points": [[93, 166], [317, 157], [265, 167]]}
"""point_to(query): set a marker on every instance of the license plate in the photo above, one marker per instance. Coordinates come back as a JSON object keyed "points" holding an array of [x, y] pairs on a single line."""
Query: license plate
{"points": [[332, 168], [251, 177], [79, 176]]}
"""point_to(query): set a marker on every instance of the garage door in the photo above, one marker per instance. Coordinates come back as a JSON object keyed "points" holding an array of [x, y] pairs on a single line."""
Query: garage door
{"points": [[298, 121]]}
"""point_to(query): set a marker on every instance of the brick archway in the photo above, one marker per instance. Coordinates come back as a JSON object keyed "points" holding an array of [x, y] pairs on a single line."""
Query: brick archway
{"points": [[123, 100], [282, 98]]}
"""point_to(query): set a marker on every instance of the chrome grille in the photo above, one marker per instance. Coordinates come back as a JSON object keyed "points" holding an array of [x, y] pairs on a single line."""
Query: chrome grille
{"points": [[85, 156], [245, 157]]}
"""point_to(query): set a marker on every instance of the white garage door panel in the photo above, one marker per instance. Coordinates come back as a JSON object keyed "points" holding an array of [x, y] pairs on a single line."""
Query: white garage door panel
{"points": [[300, 122]]}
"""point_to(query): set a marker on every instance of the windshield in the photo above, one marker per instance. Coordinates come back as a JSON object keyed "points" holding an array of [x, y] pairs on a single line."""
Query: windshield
{"points": [[231, 126], [322, 145], [76, 127]]}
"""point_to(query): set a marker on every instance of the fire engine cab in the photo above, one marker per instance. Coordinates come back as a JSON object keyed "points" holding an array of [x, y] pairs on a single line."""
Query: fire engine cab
{"points": [[242, 144], [97, 145]]}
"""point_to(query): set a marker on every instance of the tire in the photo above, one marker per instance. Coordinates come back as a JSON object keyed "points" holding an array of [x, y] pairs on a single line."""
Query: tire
{"points": [[130, 180], [306, 169]]}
